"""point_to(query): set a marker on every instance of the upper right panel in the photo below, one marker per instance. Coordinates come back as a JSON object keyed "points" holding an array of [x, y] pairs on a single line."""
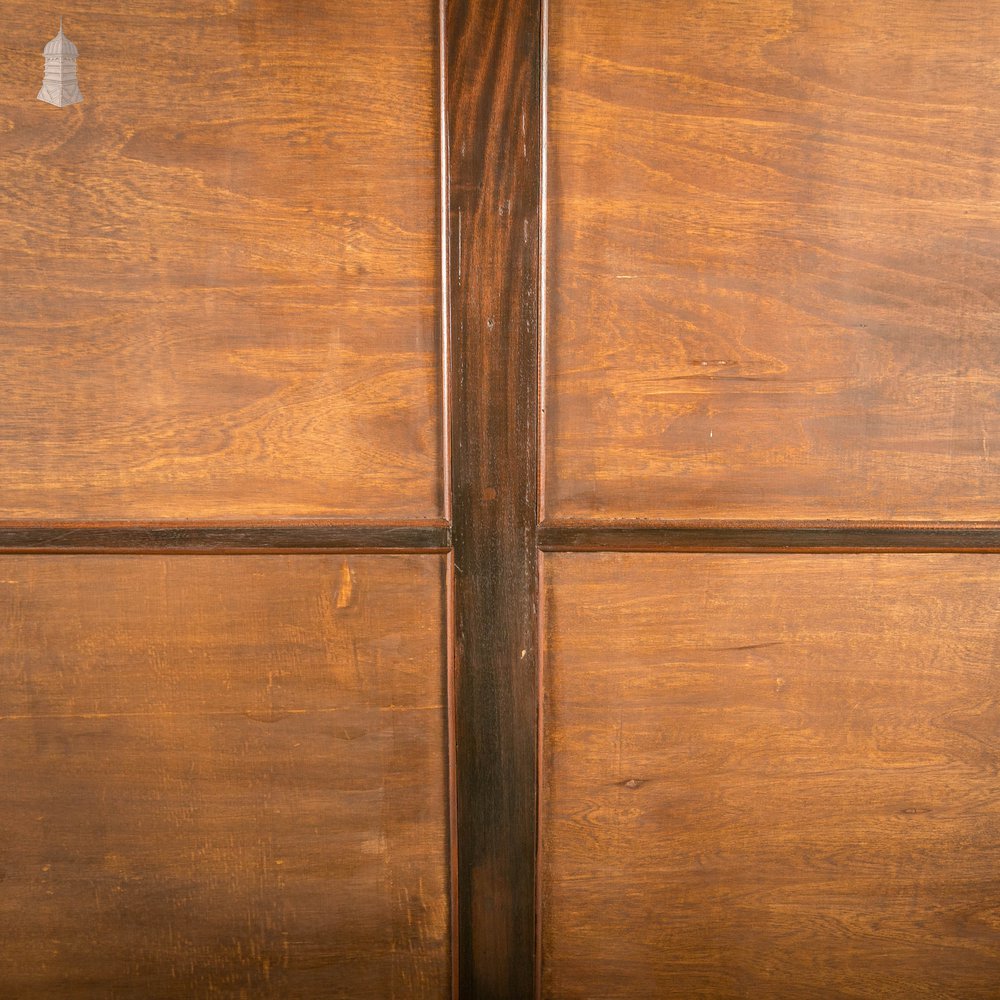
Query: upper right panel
{"points": [[773, 260]]}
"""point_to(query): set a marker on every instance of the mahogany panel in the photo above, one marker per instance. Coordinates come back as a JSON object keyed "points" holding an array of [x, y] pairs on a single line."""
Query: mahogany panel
{"points": [[223, 776], [221, 273], [771, 776], [773, 271]]}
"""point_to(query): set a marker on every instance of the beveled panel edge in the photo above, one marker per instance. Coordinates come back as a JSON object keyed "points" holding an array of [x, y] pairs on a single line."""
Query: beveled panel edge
{"points": [[446, 387], [222, 538], [541, 467], [541, 429], [443, 303], [769, 536]]}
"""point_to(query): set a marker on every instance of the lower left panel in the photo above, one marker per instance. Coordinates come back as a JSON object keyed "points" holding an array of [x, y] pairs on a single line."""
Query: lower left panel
{"points": [[223, 776]]}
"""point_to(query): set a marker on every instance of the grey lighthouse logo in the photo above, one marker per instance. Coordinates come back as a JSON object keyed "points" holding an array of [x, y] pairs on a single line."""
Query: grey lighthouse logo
{"points": [[59, 86]]}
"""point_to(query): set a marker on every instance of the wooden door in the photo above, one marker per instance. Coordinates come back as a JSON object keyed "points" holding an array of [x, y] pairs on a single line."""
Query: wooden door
{"points": [[499, 499]]}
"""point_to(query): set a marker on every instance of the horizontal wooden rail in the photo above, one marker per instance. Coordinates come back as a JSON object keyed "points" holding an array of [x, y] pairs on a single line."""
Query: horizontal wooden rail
{"points": [[219, 537], [757, 536]]}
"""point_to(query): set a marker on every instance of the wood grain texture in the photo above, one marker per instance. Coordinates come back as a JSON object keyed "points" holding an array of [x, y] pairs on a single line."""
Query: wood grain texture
{"points": [[771, 776], [223, 776], [493, 53], [220, 273], [773, 273]]}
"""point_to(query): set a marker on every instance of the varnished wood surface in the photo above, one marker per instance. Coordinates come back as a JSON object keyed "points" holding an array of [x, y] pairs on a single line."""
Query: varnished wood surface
{"points": [[771, 776], [493, 54], [773, 276], [219, 276], [223, 777]]}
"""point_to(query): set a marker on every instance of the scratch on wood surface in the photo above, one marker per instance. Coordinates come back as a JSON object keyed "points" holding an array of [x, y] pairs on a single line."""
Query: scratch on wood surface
{"points": [[346, 588], [749, 645]]}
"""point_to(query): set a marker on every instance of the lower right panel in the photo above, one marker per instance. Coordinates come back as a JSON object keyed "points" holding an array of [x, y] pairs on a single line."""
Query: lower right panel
{"points": [[771, 776]]}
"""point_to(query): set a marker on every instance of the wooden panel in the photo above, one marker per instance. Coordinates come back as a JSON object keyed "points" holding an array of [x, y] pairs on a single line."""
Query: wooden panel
{"points": [[771, 776], [773, 259], [223, 776], [221, 269]]}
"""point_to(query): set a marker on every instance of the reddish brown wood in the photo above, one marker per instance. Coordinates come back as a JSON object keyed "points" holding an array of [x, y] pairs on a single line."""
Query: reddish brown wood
{"points": [[493, 80], [772, 262], [223, 776], [221, 275], [771, 776]]}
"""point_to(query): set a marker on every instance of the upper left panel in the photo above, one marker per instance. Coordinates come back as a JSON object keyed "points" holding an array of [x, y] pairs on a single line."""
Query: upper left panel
{"points": [[220, 270]]}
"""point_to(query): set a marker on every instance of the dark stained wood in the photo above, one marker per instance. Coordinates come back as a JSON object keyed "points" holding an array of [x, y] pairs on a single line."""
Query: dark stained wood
{"points": [[771, 776], [223, 777], [773, 273], [217, 538], [493, 72], [220, 273], [553, 536], [757, 536]]}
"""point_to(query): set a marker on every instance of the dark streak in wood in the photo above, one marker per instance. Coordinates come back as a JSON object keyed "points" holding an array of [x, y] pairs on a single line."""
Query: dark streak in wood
{"points": [[493, 88]]}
